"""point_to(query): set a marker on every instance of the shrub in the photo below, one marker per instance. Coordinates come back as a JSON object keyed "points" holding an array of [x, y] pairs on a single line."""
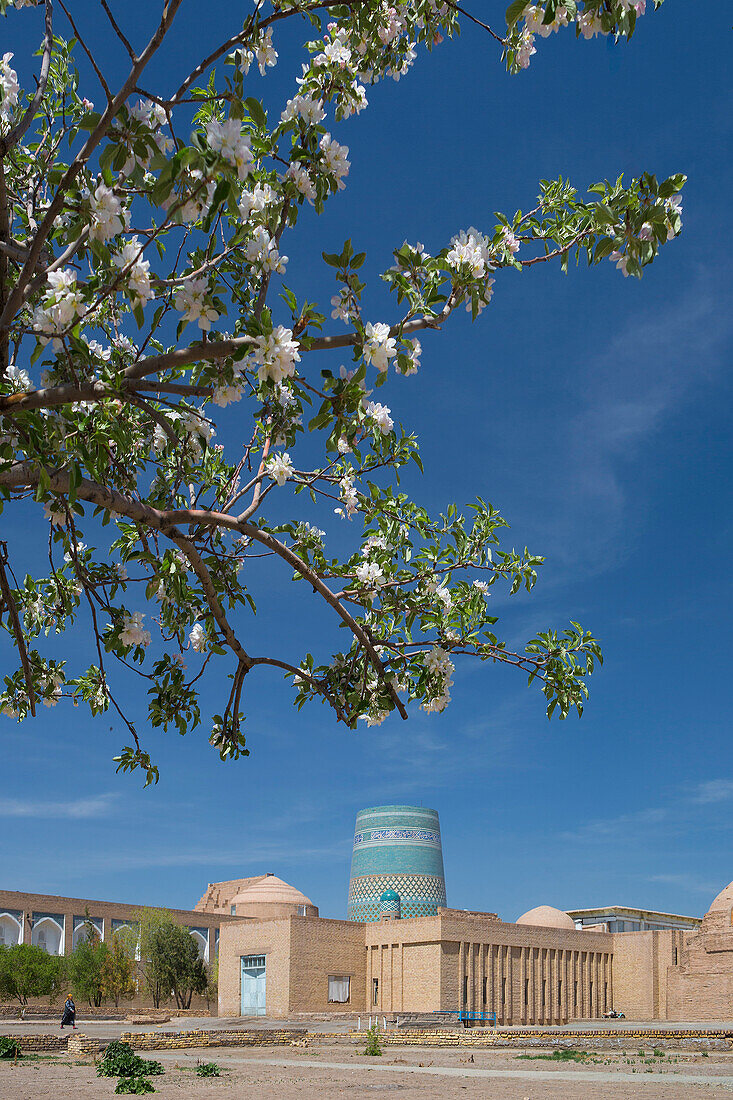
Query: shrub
{"points": [[120, 1060], [373, 1046], [9, 1048], [137, 1085], [208, 1069]]}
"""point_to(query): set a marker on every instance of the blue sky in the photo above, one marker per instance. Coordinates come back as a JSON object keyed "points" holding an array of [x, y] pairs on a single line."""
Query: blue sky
{"points": [[593, 411]]}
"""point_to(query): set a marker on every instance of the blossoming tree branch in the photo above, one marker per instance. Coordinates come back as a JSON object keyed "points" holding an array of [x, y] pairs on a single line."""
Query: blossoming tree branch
{"points": [[143, 241]]}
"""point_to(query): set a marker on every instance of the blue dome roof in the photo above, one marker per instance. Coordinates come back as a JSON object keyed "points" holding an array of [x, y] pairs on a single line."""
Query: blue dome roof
{"points": [[390, 895]]}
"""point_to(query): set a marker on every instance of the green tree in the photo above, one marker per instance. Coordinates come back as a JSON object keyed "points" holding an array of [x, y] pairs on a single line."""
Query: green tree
{"points": [[85, 969], [118, 970], [176, 958], [150, 922], [141, 292], [29, 971]]}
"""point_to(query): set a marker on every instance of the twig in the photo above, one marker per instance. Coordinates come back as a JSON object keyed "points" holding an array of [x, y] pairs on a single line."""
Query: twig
{"points": [[15, 625]]}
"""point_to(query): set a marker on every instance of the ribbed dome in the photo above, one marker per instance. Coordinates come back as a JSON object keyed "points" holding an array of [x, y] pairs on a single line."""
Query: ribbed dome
{"points": [[724, 899], [271, 890], [546, 916]]}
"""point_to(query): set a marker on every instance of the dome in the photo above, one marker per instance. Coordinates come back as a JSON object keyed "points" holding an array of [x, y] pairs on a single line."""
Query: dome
{"points": [[390, 895], [270, 890], [546, 916], [724, 900]]}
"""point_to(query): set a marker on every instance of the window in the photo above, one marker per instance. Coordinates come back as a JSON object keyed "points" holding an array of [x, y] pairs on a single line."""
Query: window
{"points": [[375, 991], [486, 984], [526, 991], [559, 993], [675, 956], [301, 910], [233, 910], [503, 991], [544, 986], [605, 996], [338, 989], [590, 996], [575, 994], [465, 989]]}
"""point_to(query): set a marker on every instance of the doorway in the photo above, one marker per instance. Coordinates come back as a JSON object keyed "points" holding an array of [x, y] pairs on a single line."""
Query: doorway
{"points": [[253, 985]]}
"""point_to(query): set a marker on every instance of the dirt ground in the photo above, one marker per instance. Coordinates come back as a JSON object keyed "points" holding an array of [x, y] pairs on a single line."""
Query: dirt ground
{"points": [[324, 1072]]}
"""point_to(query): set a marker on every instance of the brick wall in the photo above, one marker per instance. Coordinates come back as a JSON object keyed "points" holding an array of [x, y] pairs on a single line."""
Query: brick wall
{"points": [[155, 1040]]}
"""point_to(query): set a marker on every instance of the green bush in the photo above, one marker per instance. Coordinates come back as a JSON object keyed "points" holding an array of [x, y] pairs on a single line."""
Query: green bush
{"points": [[137, 1085], [9, 1048], [120, 1060], [208, 1069], [373, 1046]]}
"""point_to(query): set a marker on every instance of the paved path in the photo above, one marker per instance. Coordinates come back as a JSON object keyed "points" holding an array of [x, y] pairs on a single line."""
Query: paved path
{"points": [[602, 1077]]}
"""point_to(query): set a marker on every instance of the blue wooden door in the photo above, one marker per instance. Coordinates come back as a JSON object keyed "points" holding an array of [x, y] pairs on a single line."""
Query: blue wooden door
{"points": [[253, 985]]}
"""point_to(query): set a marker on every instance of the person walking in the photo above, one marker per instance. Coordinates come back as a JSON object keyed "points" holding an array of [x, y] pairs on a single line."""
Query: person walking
{"points": [[69, 1016]]}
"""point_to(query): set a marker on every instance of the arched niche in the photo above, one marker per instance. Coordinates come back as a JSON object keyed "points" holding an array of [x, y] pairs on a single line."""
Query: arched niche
{"points": [[48, 933], [11, 929]]}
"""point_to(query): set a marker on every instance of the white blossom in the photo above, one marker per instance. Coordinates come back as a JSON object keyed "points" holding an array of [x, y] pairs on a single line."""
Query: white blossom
{"points": [[198, 638], [279, 468], [380, 414], [334, 159], [298, 173], [469, 249], [276, 354], [138, 275], [9, 87], [379, 346], [305, 107], [228, 139], [108, 217], [191, 301], [262, 250]]}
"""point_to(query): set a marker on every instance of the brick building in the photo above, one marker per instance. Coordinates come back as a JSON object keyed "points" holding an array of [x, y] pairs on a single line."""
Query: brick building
{"points": [[539, 970], [58, 923]]}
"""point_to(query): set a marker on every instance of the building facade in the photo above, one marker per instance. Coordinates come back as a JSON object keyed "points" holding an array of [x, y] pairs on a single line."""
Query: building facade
{"points": [[539, 970], [59, 924]]}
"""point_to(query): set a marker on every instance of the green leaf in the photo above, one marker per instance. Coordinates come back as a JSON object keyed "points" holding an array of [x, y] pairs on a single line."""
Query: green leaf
{"points": [[514, 11]]}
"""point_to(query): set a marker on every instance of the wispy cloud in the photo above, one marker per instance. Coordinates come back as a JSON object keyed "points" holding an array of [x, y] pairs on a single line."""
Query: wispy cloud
{"points": [[631, 390], [677, 813], [99, 805], [715, 790], [688, 882], [250, 855]]}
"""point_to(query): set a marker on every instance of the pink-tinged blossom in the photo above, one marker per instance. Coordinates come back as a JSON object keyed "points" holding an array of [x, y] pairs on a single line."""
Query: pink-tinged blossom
{"points": [[228, 140], [132, 632], [379, 346], [621, 260], [510, 242], [198, 638], [525, 49], [590, 24]]}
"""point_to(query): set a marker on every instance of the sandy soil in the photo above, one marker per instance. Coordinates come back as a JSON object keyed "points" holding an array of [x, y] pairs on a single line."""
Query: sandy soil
{"points": [[324, 1072]]}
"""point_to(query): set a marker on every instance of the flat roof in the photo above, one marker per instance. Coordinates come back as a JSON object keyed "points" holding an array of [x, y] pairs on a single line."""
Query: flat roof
{"points": [[627, 910]]}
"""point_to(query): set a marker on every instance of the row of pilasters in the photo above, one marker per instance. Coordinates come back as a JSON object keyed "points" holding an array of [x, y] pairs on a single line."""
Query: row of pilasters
{"points": [[542, 985]]}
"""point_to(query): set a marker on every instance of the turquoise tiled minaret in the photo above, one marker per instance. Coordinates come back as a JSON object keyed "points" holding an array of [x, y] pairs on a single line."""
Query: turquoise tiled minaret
{"points": [[396, 848]]}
